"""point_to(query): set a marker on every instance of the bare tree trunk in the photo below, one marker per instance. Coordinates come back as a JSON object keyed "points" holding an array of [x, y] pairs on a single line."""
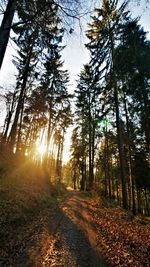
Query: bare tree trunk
{"points": [[117, 192], [131, 178], [6, 27], [139, 200], [82, 176], [121, 151], [19, 131], [48, 136], [74, 180], [8, 118], [108, 163], [91, 178], [106, 172], [147, 202]]}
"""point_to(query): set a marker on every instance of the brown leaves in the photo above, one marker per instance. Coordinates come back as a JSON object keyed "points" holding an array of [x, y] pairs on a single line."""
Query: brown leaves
{"points": [[122, 241], [119, 237], [115, 233]]}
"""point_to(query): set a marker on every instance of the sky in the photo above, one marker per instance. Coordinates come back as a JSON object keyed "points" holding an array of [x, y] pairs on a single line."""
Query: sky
{"points": [[74, 56]]}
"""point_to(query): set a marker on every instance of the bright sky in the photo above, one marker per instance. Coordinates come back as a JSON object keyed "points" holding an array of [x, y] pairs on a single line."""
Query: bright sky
{"points": [[74, 55]]}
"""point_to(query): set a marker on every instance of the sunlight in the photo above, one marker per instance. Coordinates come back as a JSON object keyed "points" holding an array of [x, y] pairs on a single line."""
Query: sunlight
{"points": [[41, 149]]}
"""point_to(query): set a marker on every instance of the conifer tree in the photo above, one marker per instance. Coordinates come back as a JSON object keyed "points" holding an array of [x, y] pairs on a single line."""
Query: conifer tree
{"points": [[103, 34]]}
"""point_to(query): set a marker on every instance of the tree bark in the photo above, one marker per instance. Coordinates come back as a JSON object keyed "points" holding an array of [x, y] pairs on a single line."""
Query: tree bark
{"points": [[6, 27], [121, 151], [131, 178]]}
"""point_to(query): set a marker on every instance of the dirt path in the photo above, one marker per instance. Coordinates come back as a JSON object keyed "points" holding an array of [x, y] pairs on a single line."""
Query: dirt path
{"points": [[74, 244], [82, 233]]}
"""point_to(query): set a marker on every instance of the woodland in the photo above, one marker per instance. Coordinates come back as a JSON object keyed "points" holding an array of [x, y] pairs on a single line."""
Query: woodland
{"points": [[109, 114]]}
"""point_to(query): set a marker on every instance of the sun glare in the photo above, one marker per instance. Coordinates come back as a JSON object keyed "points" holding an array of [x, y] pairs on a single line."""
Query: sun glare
{"points": [[41, 149]]}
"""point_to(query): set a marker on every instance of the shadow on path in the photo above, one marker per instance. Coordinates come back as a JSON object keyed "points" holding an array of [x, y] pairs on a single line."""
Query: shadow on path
{"points": [[72, 246]]}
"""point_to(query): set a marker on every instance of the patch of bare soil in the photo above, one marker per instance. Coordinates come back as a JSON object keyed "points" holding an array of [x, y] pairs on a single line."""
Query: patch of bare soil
{"points": [[82, 233]]}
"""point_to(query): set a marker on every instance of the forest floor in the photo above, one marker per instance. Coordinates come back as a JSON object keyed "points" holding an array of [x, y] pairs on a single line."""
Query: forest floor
{"points": [[81, 232]]}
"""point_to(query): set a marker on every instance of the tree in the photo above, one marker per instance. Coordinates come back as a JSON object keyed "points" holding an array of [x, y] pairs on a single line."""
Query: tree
{"points": [[6, 27], [25, 66], [135, 50], [30, 11], [133, 72], [32, 39], [103, 36], [87, 111], [78, 159], [10, 99]]}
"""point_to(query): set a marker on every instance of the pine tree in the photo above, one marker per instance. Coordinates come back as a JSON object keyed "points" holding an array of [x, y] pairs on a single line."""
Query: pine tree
{"points": [[29, 12], [103, 36], [87, 95]]}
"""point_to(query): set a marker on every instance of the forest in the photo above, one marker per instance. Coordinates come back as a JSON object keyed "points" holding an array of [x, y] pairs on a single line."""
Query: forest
{"points": [[108, 113]]}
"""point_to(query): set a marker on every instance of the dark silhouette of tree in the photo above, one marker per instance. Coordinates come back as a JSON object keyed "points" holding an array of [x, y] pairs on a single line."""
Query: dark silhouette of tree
{"points": [[6, 27], [29, 12], [103, 35], [87, 95]]}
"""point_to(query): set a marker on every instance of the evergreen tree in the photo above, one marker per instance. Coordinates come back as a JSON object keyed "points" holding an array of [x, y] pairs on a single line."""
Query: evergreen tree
{"points": [[29, 12], [103, 36], [87, 110]]}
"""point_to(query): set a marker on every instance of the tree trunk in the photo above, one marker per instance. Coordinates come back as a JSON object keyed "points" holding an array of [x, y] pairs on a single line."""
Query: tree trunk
{"points": [[91, 174], [6, 127], [107, 162], [19, 131], [119, 132], [121, 151], [131, 178], [139, 200], [8, 118], [48, 136], [147, 202], [146, 111], [90, 158], [83, 173], [6, 27], [12, 136], [74, 180]]}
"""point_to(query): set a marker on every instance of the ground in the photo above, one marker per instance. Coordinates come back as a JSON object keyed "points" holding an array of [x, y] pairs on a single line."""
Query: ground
{"points": [[81, 232]]}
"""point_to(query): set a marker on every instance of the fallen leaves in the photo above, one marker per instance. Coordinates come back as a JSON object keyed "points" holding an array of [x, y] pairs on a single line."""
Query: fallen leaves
{"points": [[128, 242], [118, 236]]}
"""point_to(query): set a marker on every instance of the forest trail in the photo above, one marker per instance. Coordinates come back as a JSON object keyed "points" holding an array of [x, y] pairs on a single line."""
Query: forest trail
{"points": [[75, 242], [82, 232]]}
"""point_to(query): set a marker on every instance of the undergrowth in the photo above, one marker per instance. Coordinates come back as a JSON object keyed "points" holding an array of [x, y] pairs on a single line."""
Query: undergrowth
{"points": [[25, 193]]}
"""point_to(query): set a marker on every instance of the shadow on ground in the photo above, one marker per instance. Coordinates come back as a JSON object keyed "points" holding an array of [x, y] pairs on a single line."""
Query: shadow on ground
{"points": [[72, 246]]}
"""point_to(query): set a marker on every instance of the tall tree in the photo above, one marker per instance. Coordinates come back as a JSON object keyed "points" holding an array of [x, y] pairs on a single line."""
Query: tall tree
{"points": [[30, 11], [87, 95], [6, 27], [103, 35]]}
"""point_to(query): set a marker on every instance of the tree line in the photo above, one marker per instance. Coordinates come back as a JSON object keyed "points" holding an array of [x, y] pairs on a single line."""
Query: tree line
{"points": [[39, 109], [111, 138]]}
